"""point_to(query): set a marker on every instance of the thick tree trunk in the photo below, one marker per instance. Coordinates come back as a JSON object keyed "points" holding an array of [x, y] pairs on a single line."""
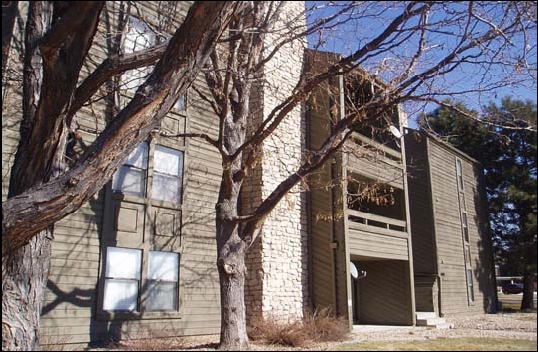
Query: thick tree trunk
{"points": [[528, 290], [26, 214], [24, 276], [232, 272], [231, 250]]}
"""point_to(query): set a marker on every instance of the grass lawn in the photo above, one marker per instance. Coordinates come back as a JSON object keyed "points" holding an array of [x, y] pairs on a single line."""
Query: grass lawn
{"points": [[443, 344]]}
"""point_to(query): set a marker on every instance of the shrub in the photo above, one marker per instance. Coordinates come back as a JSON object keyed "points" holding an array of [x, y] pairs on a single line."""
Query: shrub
{"points": [[315, 327]]}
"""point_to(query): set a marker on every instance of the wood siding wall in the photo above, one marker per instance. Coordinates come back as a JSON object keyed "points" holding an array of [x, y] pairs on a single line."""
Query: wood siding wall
{"points": [[377, 168], [384, 293], [69, 312], [422, 230], [320, 200], [449, 232], [422, 227], [376, 245], [332, 237]]}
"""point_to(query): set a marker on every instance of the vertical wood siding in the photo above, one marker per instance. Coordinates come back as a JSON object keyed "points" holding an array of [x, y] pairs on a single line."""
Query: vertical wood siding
{"points": [[384, 293], [449, 233]]}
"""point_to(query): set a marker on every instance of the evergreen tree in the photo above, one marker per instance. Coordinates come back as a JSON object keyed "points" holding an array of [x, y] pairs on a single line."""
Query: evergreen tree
{"points": [[505, 145]]}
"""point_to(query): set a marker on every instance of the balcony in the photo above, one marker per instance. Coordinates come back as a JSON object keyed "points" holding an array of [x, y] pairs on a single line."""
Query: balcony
{"points": [[376, 225], [375, 160]]}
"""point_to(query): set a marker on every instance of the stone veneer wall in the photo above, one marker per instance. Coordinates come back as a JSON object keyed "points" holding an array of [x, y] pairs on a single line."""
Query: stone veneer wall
{"points": [[277, 281]]}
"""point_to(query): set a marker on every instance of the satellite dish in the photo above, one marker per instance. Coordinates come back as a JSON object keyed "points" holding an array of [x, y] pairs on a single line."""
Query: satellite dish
{"points": [[395, 131], [353, 270]]}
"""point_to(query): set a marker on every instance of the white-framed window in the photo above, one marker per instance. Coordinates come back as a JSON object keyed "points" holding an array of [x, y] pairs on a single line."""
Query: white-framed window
{"points": [[465, 226], [142, 238], [167, 173], [470, 285], [131, 176], [459, 174], [138, 36], [465, 232], [162, 278], [122, 279]]}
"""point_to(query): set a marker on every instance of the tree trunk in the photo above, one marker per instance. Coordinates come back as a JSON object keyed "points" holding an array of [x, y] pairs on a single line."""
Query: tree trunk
{"points": [[527, 302], [232, 271], [24, 276]]}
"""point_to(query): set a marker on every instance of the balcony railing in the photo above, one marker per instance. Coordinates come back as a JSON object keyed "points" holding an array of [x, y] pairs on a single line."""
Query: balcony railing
{"points": [[376, 223], [379, 148]]}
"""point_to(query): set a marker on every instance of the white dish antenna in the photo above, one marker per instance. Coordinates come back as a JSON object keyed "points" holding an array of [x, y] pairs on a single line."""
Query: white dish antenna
{"points": [[353, 270], [395, 131]]}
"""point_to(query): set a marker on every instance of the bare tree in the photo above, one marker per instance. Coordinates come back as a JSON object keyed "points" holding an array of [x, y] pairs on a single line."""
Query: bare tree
{"points": [[58, 37], [412, 48]]}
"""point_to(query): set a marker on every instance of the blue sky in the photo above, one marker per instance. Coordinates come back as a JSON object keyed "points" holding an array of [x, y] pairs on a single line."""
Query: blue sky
{"points": [[373, 18]]}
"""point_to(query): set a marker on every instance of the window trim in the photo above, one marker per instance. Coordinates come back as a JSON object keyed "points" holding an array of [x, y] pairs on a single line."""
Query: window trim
{"points": [[140, 74], [465, 231], [176, 282], [469, 282], [114, 197]]}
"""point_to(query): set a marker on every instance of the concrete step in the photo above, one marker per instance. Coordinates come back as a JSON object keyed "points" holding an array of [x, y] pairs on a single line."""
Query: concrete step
{"points": [[425, 315], [444, 326], [430, 319]]}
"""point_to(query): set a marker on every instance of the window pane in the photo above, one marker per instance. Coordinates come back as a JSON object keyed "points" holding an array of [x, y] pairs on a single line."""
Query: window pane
{"points": [[123, 263], [470, 290], [129, 180], [459, 173], [139, 156], [161, 296], [138, 37], [163, 266], [168, 161], [181, 103], [166, 188], [469, 277], [465, 227], [120, 294]]}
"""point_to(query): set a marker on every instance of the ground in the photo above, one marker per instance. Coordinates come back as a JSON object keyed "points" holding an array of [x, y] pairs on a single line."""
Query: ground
{"points": [[517, 325]]}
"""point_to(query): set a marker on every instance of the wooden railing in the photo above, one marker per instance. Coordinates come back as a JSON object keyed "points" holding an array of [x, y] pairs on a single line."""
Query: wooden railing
{"points": [[376, 223], [388, 152]]}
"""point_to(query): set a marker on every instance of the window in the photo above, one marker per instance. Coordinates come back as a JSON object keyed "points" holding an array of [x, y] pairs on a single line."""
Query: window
{"points": [[142, 238], [167, 171], [465, 231], [465, 226], [163, 271], [470, 285], [140, 36], [459, 174], [141, 242], [122, 277], [137, 37], [131, 176]]}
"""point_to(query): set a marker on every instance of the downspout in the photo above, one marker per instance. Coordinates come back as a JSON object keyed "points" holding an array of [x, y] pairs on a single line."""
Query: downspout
{"points": [[348, 302], [334, 242], [407, 220], [309, 217]]}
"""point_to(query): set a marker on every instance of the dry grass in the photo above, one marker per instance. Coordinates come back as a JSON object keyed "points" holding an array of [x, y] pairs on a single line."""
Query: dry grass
{"points": [[315, 327], [152, 344], [443, 344], [54, 342]]}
